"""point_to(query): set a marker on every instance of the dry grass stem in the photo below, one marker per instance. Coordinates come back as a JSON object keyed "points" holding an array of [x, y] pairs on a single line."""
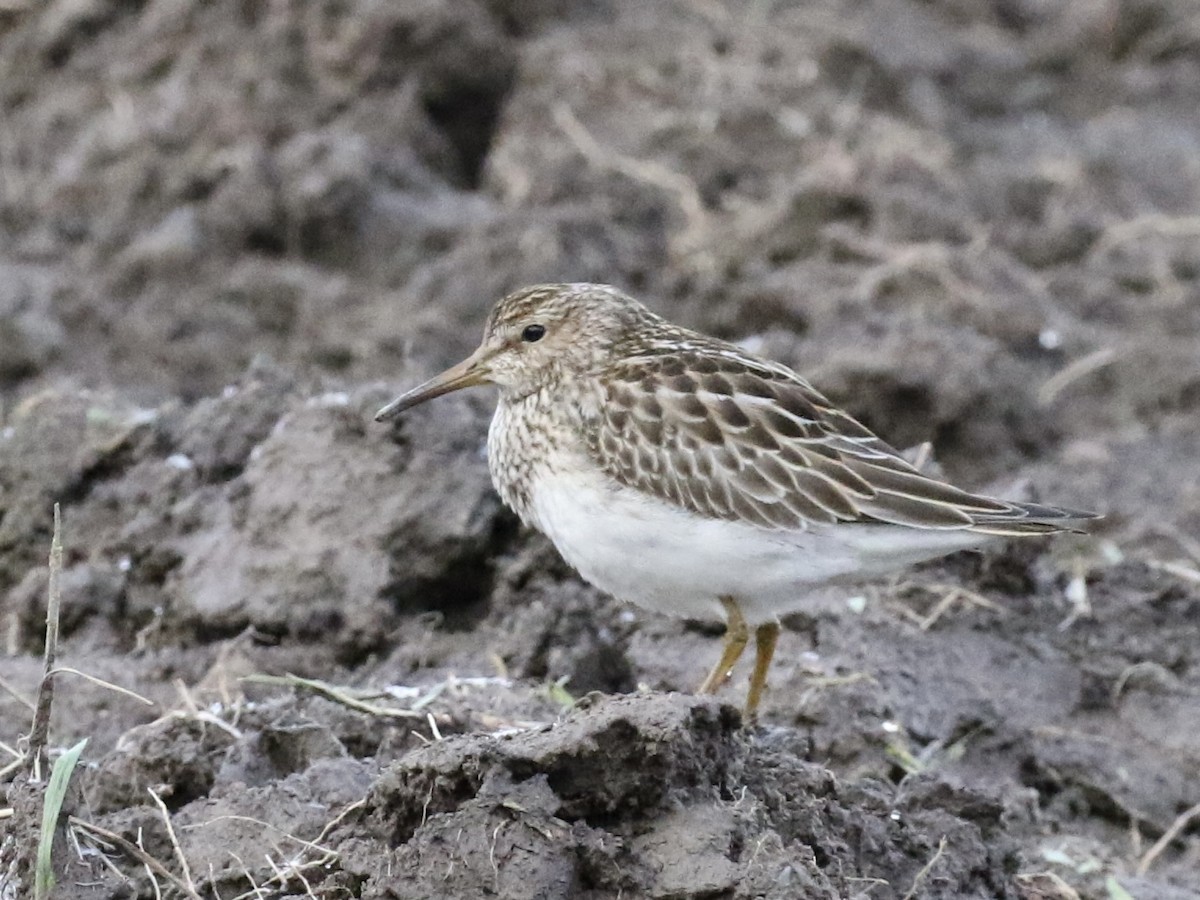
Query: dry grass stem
{"points": [[433, 727], [1186, 542], [179, 854], [203, 716], [948, 600], [281, 877], [1181, 822], [950, 594], [1155, 223], [232, 817], [255, 891], [336, 694], [104, 684], [925, 870], [1146, 672], [1073, 371], [337, 820], [683, 189], [930, 260], [192, 712], [308, 891], [136, 852], [1045, 885], [39, 732], [1179, 570], [16, 695], [12, 634]]}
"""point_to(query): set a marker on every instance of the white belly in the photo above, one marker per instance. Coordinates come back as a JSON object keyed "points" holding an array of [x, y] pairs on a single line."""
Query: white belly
{"points": [[671, 561]]}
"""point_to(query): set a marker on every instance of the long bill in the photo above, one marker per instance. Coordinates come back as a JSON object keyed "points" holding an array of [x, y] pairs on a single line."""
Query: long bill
{"points": [[468, 373]]}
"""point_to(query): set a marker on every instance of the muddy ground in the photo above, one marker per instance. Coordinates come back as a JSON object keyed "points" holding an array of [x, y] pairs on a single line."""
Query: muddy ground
{"points": [[230, 229]]}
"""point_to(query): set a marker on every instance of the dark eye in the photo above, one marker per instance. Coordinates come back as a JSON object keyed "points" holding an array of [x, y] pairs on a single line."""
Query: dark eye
{"points": [[533, 333]]}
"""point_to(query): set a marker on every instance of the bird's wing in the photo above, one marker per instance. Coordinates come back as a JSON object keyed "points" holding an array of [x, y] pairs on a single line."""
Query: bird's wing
{"points": [[729, 436]]}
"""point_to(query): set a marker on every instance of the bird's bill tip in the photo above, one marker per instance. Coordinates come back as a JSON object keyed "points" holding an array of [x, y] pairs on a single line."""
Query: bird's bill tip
{"points": [[468, 373]]}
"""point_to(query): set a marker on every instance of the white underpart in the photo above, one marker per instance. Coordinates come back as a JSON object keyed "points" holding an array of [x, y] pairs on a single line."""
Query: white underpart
{"points": [[671, 561]]}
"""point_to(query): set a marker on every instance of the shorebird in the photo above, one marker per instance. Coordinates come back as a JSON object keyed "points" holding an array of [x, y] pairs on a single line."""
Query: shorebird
{"points": [[693, 478]]}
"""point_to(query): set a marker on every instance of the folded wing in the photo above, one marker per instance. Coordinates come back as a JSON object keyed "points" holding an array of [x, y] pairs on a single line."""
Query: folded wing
{"points": [[725, 435]]}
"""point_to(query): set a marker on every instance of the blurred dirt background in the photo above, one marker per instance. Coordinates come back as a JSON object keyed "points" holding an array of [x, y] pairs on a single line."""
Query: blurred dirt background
{"points": [[230, 229]]}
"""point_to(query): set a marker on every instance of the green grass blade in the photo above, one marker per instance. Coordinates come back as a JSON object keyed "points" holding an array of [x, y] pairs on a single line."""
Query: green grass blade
{"points": [[56, 791]]}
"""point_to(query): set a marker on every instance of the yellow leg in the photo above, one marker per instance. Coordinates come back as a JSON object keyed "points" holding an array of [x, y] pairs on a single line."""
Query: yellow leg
{"points": [[765, 637], [736, 637]]}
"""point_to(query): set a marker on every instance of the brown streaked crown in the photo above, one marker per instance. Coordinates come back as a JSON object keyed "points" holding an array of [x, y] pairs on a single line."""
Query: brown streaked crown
{"points": [[583, 324]]}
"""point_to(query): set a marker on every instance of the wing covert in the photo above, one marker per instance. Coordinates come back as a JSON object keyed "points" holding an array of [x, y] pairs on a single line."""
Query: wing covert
{"points": [[731, 437]]}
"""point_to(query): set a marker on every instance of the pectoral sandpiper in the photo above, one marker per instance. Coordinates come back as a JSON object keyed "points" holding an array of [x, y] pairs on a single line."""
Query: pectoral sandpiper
{"points": [[688, 476]]}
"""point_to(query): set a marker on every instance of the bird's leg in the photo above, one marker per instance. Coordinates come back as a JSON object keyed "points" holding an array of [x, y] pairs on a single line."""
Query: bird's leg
{"points": [[765, 637], [736, 637]]}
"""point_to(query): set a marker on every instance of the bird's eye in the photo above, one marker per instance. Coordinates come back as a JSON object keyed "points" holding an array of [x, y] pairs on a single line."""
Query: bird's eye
{"points": [[533, 333]]}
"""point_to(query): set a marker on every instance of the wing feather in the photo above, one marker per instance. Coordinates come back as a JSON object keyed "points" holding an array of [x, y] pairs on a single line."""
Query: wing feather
{"points": [[729, 436]]}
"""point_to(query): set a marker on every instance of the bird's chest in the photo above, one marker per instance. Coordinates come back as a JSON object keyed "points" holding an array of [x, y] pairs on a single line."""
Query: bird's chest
{"points": [[528, 442]]}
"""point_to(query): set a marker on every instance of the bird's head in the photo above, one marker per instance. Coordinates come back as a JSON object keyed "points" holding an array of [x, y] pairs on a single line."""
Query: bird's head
{"points": [[535, 337]]}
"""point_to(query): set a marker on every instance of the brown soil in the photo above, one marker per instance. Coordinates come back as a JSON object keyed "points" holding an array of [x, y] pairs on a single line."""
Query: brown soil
{"points": [[230, 229]]}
